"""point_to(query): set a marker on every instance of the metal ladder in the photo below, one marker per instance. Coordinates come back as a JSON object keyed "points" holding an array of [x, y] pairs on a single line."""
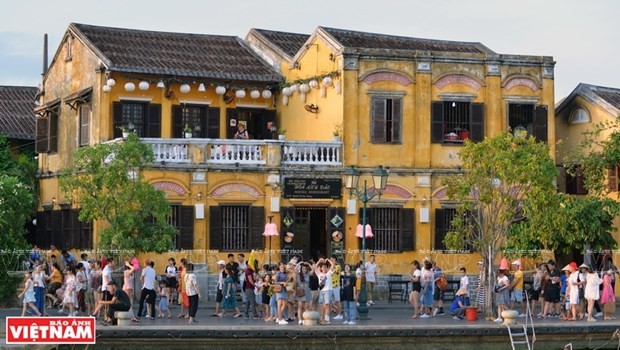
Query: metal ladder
{"points": [[522, 338]]}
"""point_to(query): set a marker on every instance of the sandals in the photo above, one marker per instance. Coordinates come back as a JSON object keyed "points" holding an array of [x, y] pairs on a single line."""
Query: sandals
{"points": [[133, 319], [181, 316]]}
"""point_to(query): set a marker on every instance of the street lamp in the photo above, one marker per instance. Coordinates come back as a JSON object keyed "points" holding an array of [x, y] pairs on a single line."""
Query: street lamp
{"points": [[351, 181]]}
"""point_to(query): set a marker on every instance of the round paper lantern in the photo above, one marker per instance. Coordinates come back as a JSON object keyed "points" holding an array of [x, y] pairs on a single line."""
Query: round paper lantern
{"points": [[313, 84], [266, 94], [254, 94], [285, 100], [294, 88], [144, 85], [323, 91], [220, 90], [286, 91], [338, 87], [303, 88], [130, 87], [302, 96], [185, 88], [327, 81], [240, 93], [106, 88], [111, 82]]}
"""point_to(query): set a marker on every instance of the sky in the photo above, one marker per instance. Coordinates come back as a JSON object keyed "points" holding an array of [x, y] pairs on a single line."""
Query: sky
{"points": [[582, 36]]}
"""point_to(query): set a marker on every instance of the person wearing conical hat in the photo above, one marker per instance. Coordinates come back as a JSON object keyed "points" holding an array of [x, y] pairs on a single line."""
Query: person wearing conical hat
{"points": [[457, 309]]}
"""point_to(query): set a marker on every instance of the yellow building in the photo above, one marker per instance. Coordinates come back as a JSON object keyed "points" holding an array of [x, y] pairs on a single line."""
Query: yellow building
{"points": [[404, 103]]}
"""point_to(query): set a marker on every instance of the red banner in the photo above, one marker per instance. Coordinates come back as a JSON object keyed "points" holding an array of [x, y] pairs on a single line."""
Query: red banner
{"points": [[50, 330]]}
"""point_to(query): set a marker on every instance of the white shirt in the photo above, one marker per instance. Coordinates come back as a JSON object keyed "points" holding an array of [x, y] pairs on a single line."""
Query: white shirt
{"points": [[464, 282], [327, 277], [190, 284], [242, 267], [220, 280], [171, 271], [86, 268], [148, 281], [106, 276], [371, 271]]}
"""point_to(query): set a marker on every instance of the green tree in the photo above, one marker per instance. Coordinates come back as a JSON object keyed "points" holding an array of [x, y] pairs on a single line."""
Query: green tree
{"points": [[503, 180], [107, 181]]}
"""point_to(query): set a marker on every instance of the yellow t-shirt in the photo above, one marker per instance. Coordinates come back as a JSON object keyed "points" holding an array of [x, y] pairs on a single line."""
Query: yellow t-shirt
{"points": [[519, 276], [336, 276], [56, 277]]}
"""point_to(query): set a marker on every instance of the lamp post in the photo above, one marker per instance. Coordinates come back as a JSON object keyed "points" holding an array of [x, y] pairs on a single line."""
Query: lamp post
{"points": [[351, 181]]}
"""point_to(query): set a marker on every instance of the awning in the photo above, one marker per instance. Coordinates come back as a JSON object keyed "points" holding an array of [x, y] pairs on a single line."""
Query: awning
{"points": [[52, 107], [76, 98]]}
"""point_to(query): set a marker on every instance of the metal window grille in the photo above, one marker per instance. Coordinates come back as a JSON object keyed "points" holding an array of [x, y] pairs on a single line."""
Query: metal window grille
{"points": [[456, 121], [235, 227], [521, 115], [135, 114], [386, 228]]}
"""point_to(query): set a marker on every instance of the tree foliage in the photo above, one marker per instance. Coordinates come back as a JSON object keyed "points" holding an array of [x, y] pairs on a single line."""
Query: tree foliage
{"points": [[107, 182]]}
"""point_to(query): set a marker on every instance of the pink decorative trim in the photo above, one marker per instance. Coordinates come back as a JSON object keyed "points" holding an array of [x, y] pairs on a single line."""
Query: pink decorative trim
{"points": [[387, 76], [235, 187], [441, 194], [396, 190], [521, 82], [458, 79], [169, 186]]}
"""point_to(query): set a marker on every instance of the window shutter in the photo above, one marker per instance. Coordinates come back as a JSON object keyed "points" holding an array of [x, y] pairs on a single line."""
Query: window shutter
{"points": [[153, 122], [231, 129], [56, 238], [440, 229], [257, 227], [407, 232], [215, 227], [397, 111], [186, 228], [41, 238], [580, 187], [540, 123], [477, 122], [42, 142], [76, 229], [571, 184], [370, 242], [84, 125], [612, 179], [377, 120], [117, 116], [437, 122], [177, 121], [213, 123], [53, 120]]}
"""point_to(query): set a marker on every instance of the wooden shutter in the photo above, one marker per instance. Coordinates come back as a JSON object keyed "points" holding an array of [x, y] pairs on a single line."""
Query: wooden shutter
{"points": [[42, 141], [257, 227], [177, 121], [377, 120], [186, 228], [612, 179], [85, 125], [153, 121], [397, 112], [56, 238], [53, 135], [477, 122], [41, 238], [370, 242], [231, 114], [540, 123], [440, 229], [215, 227], [117, 119], [437, 122], [213, 123], [407, 232]]}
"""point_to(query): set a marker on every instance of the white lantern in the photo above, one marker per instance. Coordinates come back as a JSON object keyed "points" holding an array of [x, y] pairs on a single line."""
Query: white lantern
{"points": [[220, 90], [111, 82], [106, 88], [185, 88], [286, 91], [240, 93], [144, 85], [130, 87], [313, 84], [303, 97], [201, 87], [323, 91], [338, 87], [254, 94], [294, 88], [285, 100], [266, 94], [304, 88], [327, 81]]}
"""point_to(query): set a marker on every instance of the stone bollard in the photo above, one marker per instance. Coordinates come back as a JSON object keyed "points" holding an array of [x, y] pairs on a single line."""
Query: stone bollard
{"points": [[510, 317], [123, 317], [311, 318]]}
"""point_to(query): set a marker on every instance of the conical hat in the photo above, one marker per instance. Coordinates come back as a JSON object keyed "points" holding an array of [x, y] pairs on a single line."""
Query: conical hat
{"points": [[504, 264]]}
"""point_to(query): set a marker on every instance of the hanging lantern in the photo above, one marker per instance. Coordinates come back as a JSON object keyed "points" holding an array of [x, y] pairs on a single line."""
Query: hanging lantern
{"points": [[359, 232], [294, 88], [185, 88], [201, 87], [111, 82], [240, 93], [303, 97], [220, 90], [144, 85], [338, 87], [286, 91], [106, 88], [130, 87], [161, 84], [313, 84], [285, 100], [323, 91], [304, 88], [266, 94], [254, 94], [327, 81]]}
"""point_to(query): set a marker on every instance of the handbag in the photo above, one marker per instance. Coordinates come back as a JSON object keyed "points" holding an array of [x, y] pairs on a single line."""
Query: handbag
{"points": [[442, 282], [277, 288], [300, 292], [185, 300]]}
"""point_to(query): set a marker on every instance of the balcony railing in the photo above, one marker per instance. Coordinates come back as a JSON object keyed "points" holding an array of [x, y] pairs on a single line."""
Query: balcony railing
{"points": [[245, 152]]}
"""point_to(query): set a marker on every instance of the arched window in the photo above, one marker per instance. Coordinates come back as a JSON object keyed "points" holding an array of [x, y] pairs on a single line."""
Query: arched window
{"points": [[579, 116]]}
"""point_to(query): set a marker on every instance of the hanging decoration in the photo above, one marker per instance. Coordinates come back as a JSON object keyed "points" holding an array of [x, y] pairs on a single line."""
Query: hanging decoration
{"points": [[254, 94], [338, 87], [111, 82], [285, 100], [185, 88], [294, 88], [220, 90], [323, 91], [201, 87], [130, 87], [106, 88], [144, 85], [313, 84], [240, 93], [266, 94]]}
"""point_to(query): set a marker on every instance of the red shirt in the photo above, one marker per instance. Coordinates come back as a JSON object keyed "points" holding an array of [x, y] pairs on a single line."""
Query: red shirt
{"points": [[249, 273]]}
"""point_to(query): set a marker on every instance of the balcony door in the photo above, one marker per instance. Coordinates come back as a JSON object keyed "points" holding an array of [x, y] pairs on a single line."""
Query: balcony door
{"points": [[256, 122]]}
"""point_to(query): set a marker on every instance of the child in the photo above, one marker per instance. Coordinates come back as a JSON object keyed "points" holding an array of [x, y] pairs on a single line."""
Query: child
{"points": [[608, 299], [258, 295], [164, 292], [28, 295], [267, 292]]}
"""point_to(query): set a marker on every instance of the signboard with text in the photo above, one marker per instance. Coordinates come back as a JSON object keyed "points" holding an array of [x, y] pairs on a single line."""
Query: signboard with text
{"points": [[312, 188]]}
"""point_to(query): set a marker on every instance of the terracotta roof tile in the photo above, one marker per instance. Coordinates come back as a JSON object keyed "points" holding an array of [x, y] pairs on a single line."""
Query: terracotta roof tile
{"points": [[177, 54], [17, 118], [289, 43]]}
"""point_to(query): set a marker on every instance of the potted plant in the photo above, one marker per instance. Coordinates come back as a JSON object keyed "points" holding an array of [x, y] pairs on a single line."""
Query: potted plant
{"points": [[281, 133], [337, 133], [125, 129], [187, 131]]}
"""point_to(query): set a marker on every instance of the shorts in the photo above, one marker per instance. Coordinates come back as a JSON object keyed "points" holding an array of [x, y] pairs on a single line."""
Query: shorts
{"points": [[163, 304], [517, 295], [335, 294], [171, 282], [282, 295], [324, 297], [54, 286], [534, 294], [552, 295], [89, 298], [437, 294], [219, 296]]}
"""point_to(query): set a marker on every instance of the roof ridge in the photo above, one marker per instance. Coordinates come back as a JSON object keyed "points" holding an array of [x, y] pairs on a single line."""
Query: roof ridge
{"points": [[399, 36], [83, 25], [278, 31], [597, 87]]}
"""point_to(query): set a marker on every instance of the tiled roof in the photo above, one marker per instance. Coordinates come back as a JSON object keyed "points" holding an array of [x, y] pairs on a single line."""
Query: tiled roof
{"points": [[363, 40], [176, 54], [289, 43], [605, 97], [17, 119], [611, 95]]}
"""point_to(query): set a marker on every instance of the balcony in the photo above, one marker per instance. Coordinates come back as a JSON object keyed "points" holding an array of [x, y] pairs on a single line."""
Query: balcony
{"points": [[222, 152]]}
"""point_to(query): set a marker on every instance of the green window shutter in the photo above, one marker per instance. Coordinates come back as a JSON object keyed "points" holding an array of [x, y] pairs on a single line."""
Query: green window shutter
{"points": [[541, 123], [215, 227], [437, 130], [177, 121], [42, 141], [397, 107], [213, 123], [185, 239], [407, 236], [477, 122], [377, 120], [257, 227], [153, 121], [117, 119]]}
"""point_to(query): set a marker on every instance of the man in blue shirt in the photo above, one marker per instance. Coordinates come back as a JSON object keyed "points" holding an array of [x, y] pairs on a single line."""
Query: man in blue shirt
{"points": [[67, 258], [457, 309]]}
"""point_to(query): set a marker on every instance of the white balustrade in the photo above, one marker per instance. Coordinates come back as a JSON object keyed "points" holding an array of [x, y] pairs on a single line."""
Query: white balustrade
{"points": [[169, 150], [311, 153], [236, 151]]}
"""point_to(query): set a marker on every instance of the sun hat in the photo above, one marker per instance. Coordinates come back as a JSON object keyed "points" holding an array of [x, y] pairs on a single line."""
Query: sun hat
{"points": [[516, 262], [573, 265], [584, 265], [461, 291], [504, 264], [221, 262], [566, 268]]}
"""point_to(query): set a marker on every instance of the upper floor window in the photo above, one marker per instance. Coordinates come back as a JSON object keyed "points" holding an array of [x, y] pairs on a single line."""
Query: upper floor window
{"points": [[85, 116], [612, 178], [579, 116], [204, 121], [457, 121], [69, 48], [143, 118], [182, 217], [528, 119], [385, 119], [575, 182]]}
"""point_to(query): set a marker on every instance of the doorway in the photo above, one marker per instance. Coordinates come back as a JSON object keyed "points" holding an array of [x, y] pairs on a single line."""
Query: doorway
{"points": [[308, 226]]}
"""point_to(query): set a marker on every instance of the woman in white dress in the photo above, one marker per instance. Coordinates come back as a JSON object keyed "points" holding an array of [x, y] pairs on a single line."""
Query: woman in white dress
{"points": [[28, 295], [573, 290], [70, 297], [592, 291]]}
